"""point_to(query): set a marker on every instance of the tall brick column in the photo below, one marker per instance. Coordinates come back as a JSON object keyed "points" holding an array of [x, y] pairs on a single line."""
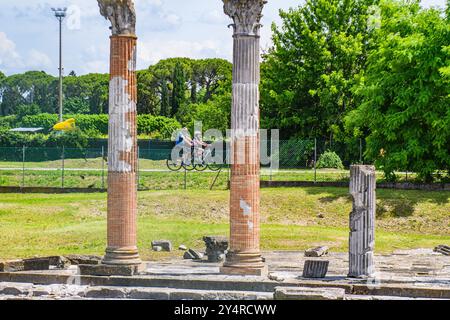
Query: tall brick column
{"points": [[122, 143], [244, 256], [362, 221]]}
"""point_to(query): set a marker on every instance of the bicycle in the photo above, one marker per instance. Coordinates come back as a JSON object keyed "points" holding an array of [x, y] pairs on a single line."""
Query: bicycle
{"points": [[192, 165], [207, 154]]}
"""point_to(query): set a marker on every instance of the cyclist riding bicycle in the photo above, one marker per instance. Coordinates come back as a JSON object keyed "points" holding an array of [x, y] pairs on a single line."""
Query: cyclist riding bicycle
{"points": [[199, 144], [184, 141]]}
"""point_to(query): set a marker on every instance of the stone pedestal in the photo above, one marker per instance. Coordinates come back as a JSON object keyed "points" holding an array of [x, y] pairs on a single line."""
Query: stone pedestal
{"points": [[362, 221], [244, 256], [122, 144]]}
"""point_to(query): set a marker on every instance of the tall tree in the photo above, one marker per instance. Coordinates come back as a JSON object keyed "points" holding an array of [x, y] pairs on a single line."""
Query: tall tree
{"points": [[32, 87], [179, 88], [318, 54], [148, 95], [91, 89], [406, 92], [165, 99], [212, 75]]}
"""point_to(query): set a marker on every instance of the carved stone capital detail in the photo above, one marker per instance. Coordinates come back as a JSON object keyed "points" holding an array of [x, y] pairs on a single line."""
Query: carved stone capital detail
{"points": [[121, 14], [246, 15]]}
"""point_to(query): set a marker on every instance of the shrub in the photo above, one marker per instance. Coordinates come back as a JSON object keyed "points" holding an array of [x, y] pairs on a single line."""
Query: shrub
{"points": [[7, 122], [329, 159], [93, 125], [43, 120], [72, 139], [27, 110], [161, 127]]}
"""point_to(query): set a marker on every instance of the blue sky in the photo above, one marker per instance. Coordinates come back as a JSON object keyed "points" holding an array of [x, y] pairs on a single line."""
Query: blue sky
{"points": [[166, 28]]}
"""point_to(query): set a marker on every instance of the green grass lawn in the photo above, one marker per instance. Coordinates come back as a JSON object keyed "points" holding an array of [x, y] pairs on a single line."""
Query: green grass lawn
{"points": [[92, 172], [39, 224]]}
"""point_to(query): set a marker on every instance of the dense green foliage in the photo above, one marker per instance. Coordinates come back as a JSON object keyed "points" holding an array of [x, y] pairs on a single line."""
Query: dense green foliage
{"points": [[163, 89], [351, 73], [95, 125], [318, 55], [363, 69], [179, 89], [405, 92], [329, 160], [72, 139]]}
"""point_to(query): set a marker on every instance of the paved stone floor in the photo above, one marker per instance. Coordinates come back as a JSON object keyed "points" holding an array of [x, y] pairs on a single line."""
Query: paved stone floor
{"points": [[418, 267], [413, 274]]}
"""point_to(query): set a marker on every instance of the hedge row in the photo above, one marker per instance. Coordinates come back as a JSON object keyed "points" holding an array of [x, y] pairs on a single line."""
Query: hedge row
{"points": [[156, 126], [73, 139]]}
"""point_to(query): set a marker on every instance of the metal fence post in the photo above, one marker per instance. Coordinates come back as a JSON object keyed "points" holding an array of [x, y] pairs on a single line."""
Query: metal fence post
{"points": [[103, 167], [62, 168], [315, 160], [271, 162], [137, 169], [23, 166]]}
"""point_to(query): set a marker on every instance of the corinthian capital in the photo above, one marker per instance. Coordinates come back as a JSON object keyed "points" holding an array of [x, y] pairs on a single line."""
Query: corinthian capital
{"points": [[122, 15], [246, 15]]}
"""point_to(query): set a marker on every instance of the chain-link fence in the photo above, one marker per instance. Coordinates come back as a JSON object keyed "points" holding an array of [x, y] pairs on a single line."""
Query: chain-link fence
{"points": [[299, 160]]}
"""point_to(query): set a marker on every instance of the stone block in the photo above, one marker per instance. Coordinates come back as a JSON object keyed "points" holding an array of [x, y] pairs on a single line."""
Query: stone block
{"points": [[197, 255], [77, 259], [149, 294], [110, 270], [36, 264], [316, 252], [188, 256], [103, 292], [445, 250], [306, 293], [59, 262], [15, 289], [182, 247], [315, 268], [166, 245], [157, 248], [11, 266]]}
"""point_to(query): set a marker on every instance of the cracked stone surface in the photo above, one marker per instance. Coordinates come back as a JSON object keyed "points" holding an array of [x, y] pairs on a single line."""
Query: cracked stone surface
{"points": [[420, 268]]}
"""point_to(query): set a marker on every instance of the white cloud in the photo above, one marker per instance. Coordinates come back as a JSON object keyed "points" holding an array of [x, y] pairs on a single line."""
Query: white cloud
{"points": [[9, 58], [150, 52], [171, 19], [95, 66], [215, 17], [37, 59]]}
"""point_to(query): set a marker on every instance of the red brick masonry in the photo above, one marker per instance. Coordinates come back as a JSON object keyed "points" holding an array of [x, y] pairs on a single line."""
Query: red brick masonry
{"points": [[122, 154]]}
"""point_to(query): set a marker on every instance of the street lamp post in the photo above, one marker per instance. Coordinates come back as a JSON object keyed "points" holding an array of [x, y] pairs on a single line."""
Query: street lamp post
{"points": [[60, 14]]}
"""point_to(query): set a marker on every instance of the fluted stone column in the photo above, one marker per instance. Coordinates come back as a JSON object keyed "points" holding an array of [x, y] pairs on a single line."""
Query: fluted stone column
{"points": [[244, 256], [122, 144], [362, 221]]}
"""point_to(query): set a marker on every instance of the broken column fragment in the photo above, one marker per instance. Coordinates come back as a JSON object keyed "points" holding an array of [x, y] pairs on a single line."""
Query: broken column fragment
{"points": [[216, 248], [362, 221]]}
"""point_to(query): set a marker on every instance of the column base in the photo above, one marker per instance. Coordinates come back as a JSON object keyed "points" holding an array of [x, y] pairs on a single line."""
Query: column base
{"points": [[122, 256], [242, 263]]}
